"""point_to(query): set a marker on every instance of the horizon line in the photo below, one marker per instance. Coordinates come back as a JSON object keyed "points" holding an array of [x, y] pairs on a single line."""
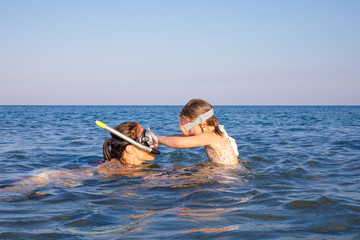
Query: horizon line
{"points": [[245, 105]]}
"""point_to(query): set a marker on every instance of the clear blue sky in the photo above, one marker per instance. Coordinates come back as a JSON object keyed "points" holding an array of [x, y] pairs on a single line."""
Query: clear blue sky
{"points": [[238, 52]]}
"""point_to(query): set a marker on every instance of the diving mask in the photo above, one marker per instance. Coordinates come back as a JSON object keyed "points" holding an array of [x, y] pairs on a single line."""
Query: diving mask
{"points": [[146, 138], [185, 128]]}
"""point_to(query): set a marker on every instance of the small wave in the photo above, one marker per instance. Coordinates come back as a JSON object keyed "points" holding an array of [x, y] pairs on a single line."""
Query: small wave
{"points": [[266, 217], [333, 228], [310, 204], [30, 196]]}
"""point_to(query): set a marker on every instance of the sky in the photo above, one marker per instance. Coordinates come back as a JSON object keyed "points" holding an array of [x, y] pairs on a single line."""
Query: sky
{"points": [[166, 52]]}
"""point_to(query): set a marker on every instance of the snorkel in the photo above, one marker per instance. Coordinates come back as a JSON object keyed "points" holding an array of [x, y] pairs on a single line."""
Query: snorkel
{"points": [[145, 134]]}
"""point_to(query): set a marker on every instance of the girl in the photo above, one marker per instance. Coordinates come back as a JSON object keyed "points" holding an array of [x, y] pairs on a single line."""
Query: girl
{"points": [[201, 128]]}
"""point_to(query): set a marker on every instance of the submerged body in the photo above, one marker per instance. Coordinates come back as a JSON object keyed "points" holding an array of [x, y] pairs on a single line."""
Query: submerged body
{"points": [[121, 158]]}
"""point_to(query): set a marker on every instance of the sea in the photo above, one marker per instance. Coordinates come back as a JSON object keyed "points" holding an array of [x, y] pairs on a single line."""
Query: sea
{"points": [[298, 178]]}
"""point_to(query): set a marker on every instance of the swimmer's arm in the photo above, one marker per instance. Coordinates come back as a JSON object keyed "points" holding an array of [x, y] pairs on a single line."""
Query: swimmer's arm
{"points": [[156, 139], [181, 141]]}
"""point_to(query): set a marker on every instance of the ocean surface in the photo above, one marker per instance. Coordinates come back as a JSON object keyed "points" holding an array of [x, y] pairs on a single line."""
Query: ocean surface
{"points": [[300, 177]]}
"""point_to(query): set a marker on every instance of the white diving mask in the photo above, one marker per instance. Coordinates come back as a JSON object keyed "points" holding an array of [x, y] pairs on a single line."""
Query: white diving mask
{"points": [[185, 128]]}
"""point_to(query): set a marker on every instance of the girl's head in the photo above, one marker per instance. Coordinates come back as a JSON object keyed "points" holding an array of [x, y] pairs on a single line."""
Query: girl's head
{"points": [[196, 107], [116, 148]]}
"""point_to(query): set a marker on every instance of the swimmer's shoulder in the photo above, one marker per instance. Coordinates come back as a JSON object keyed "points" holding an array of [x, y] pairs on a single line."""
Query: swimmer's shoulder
{"points": [[218, 142], [111, 167]]}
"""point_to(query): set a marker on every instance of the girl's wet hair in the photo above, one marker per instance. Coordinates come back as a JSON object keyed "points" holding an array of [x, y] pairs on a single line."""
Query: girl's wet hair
{"points": [[114, 148], [196, 107]]}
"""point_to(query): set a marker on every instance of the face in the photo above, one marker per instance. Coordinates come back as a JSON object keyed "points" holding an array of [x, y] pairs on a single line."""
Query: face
{"points": [[143, 156], [140, 155], [195, 130]]}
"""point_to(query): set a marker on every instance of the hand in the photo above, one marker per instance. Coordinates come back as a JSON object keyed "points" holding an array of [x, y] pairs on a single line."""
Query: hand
{"points": [[155, 139]]}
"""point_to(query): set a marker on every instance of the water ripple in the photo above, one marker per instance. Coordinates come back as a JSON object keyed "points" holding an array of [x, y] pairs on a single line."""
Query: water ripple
{"points": [[300, 179]]}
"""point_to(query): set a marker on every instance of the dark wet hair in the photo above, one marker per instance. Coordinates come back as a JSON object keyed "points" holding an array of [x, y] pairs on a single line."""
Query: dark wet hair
{"points": [[114, 148], [196, 107]]}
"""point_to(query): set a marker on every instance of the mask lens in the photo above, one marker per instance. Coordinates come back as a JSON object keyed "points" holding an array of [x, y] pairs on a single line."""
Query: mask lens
{"points": [[184, 131], [142, 138], [146, 138]]}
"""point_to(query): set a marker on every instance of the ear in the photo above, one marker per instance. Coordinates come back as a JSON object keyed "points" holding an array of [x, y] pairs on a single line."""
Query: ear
{"points": [[129, 148]]}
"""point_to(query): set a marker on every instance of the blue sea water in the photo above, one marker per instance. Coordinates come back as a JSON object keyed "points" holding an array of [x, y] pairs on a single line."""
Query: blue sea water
{"points": [[302, 179]]}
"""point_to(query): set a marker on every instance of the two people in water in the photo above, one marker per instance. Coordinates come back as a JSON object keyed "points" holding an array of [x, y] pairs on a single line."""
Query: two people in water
{"points": [[200, 128], [126, 157]]}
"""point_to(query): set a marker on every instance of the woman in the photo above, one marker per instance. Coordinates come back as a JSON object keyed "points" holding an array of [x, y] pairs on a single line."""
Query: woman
{"points": [[121, 156]]}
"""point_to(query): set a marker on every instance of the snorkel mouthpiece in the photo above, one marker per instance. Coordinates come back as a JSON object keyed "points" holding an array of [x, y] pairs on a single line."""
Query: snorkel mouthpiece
{"points": [[130, 140]]}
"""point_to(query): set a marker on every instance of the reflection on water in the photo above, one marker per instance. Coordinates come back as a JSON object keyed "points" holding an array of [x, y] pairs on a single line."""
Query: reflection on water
{"points": [[197, 215], [189, 184], [25, 187], [171, 177], [104, 232], [213, 230]]}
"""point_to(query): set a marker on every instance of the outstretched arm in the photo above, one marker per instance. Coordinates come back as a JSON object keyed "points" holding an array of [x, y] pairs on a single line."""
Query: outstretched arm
{"points": [[181, 141]]}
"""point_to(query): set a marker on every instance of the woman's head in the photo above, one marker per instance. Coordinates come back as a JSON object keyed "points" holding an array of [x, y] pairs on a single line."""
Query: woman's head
{"points": [[196, 107], [117, 148]]}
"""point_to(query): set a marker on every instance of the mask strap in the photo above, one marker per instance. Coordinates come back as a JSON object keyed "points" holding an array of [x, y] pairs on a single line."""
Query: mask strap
{"points": [[202, 118]]}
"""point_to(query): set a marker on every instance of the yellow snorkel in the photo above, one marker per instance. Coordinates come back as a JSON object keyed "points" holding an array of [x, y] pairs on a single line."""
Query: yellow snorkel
{"points": [[126, 138]]}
